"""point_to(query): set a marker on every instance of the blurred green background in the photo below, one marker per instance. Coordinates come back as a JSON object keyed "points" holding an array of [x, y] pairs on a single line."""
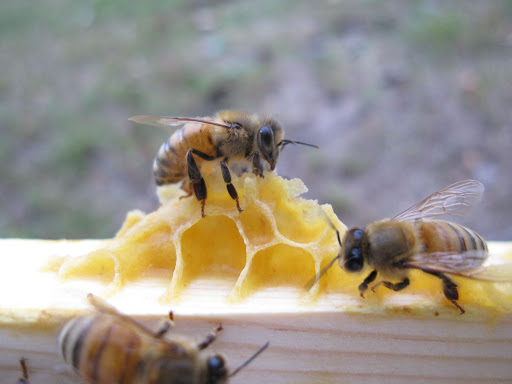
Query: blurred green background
{"points": [[403, 97]]}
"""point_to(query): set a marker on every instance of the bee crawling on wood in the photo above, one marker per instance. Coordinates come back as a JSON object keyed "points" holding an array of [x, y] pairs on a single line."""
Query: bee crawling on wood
{"points": [[410, 240], [228, 136], [110, 347]]}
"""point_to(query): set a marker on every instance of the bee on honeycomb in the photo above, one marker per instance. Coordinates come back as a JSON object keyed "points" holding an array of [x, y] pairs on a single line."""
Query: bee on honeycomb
{"points": [[280, 239]]}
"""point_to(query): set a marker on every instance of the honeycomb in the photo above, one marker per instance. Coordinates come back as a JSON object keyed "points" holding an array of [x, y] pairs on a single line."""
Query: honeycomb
{"points": [[280, 239]]}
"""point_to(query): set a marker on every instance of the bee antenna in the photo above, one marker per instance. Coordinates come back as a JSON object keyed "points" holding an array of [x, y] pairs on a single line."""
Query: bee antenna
{"points": [[248, 361], [315, 280], [285, 142], [331, 224]]}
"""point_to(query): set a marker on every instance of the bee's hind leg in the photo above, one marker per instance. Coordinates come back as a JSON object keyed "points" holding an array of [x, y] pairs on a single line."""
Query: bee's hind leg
{"points": [[194, 174], [449, 289], [226, 175]]}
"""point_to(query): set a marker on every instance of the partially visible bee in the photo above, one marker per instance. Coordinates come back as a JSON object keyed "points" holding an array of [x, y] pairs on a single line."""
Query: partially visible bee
{"points": [[228, 136], [391, 247], [110, 347], [24, 372]]}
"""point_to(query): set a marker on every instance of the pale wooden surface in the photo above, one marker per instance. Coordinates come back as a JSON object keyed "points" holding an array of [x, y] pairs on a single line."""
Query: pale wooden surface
{"points": [[338, 339]]}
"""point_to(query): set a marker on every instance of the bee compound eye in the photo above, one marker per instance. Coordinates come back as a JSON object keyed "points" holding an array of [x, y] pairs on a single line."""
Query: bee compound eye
{"points": [[354, 262], [358, 234], [353, 259], [216, 368], [265, 136]]}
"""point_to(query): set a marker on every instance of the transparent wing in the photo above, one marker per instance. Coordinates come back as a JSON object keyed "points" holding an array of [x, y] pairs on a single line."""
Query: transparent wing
{"points": [[455, 199], [164, 121], [468, 264], [495, 272], [103, 307]]}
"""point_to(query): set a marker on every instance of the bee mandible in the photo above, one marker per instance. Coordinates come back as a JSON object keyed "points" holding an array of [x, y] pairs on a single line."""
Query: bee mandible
{"points": [[229, 136], [410, 240], [110, 347]]}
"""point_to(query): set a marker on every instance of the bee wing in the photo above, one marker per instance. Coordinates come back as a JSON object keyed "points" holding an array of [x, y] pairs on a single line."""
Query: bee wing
{"points": [[164, 121], [468, 264], [103, 307], [455, 199], [495, 272]]}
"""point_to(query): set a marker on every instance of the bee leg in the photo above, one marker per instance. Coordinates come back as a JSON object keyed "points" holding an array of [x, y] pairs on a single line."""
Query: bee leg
{"points": [[24, 371], [210, 338], [187, 188], [165, 326], [195, 176], [449, 289], [256, 164], [226, 175], [163, 330], [364, 285], [393, 286]]}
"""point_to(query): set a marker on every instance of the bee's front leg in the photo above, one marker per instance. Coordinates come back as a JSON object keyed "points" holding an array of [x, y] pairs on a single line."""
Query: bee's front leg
{"points": [[364, 285], [168, 325], [210, 338], [256, 164]]}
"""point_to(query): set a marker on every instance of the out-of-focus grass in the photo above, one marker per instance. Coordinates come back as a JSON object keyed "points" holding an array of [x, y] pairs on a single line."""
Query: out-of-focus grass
{"points": [[457, 27], [366, 80]]}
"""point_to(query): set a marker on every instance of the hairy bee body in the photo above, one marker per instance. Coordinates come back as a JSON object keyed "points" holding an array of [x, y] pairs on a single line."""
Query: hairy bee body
{"points": [[391, 243], [413, 240], [445, 236], [170, 162], [169, 165], [104, 350], [248, 141], [234, 143], [110, 347]]}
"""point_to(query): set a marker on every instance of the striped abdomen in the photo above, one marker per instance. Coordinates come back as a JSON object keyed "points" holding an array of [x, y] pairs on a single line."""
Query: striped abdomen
{"points": [[104, 350], [101, 350], [443, 236], [169, 165]]}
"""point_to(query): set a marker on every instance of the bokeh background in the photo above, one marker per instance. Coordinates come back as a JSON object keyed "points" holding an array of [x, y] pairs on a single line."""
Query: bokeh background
{"points": [[403, 97]]}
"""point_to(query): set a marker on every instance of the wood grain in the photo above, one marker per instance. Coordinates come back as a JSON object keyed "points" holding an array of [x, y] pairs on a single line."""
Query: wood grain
{"points": [[338, 338]]}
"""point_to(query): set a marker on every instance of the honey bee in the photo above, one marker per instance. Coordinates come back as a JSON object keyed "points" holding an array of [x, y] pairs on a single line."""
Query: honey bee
{"points": [[391, 247], [24, 372], [110, 347], [229, 136]]}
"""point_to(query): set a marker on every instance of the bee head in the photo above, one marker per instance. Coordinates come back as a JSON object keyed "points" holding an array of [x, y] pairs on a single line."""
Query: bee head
{"points": [[268, 140], [352, 256], [217, 372]]}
